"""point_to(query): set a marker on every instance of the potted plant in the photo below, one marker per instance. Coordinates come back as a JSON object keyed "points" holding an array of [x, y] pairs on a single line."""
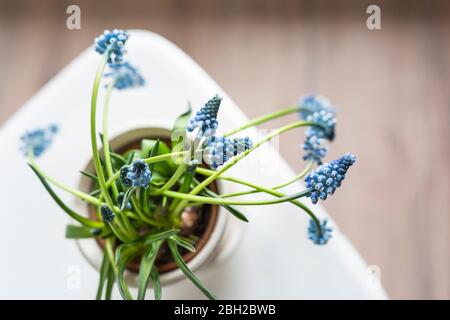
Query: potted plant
{"points": [[152, 200]]}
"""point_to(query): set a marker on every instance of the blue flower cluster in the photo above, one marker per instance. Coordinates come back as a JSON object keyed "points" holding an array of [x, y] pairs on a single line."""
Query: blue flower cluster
{"points": [[120, 198], [107, 214], [220, 149], [37, 141], [317, 109], [319, 236], [324, 180], [192, 165], [314, 149], [206, 118], [137, 174], [125, 76], [112, 42], [314, 103], [327, 122]]}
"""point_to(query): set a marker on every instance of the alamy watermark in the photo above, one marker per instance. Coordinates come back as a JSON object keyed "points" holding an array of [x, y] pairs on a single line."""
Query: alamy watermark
{"points": [[73, 21], [73, 279], [373, 21], [373, 277]]}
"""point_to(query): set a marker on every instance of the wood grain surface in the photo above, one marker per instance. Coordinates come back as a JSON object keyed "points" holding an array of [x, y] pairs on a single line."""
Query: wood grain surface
{"points": [[391, 86]]}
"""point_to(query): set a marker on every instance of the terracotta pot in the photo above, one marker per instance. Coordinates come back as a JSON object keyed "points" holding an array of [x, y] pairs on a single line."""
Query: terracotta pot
{"points": [[205, 216], [210, 242]]}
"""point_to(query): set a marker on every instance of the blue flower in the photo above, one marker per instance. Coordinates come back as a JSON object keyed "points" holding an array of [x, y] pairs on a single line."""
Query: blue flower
{"points": [[314, 149], [125, 76], [123, 176], [314, 103], [136, 174], [319, 236], [192, 165], [318, 109], [220, 149], [120, 200], [242, 144], [37, 141], [324, 180], [112, 42], [206, 118], [327, 122], [107, 214]]}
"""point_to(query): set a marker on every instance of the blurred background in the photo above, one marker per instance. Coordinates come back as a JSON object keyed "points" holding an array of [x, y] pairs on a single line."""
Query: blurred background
{"points": [[391, 86]]}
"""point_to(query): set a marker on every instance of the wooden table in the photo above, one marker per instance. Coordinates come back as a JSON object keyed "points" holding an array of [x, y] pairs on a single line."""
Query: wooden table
{"points": [[391, 86]]}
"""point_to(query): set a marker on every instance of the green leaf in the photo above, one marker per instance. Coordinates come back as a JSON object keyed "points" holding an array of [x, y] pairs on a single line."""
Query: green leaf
{"points": [[145, 241], [126, 197], [101, 137], [122, 258], [183, 267], [158, 179], [179, 127], [82, 232], [118, 160], [165, 168], [110, 283], [153, 153], [183, 243], [122, 248], [95, 192], [84, 221], [147, 262], [160, 236], [145, 201], [184, 188], [104, 270], [132, 155], [147, 146], [89, 175], [101, 140], [235, 212], [79, 232], [156, 284], [229, 208]]}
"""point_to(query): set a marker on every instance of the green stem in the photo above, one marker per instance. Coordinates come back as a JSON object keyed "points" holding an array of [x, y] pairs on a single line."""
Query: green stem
{"points": [[195, 198], [95, 153], [144, 201], [118, 232], [106, 151], [262, 119], [110, 251], [280, 186], [122, 220], [236, 159], [180, 170], [185, 186], [265, 190], [143, 217], [171, 182]]}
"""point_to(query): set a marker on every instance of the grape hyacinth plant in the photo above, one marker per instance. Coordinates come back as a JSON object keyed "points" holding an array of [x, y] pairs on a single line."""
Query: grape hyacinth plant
{"points": [[140, 197]]}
